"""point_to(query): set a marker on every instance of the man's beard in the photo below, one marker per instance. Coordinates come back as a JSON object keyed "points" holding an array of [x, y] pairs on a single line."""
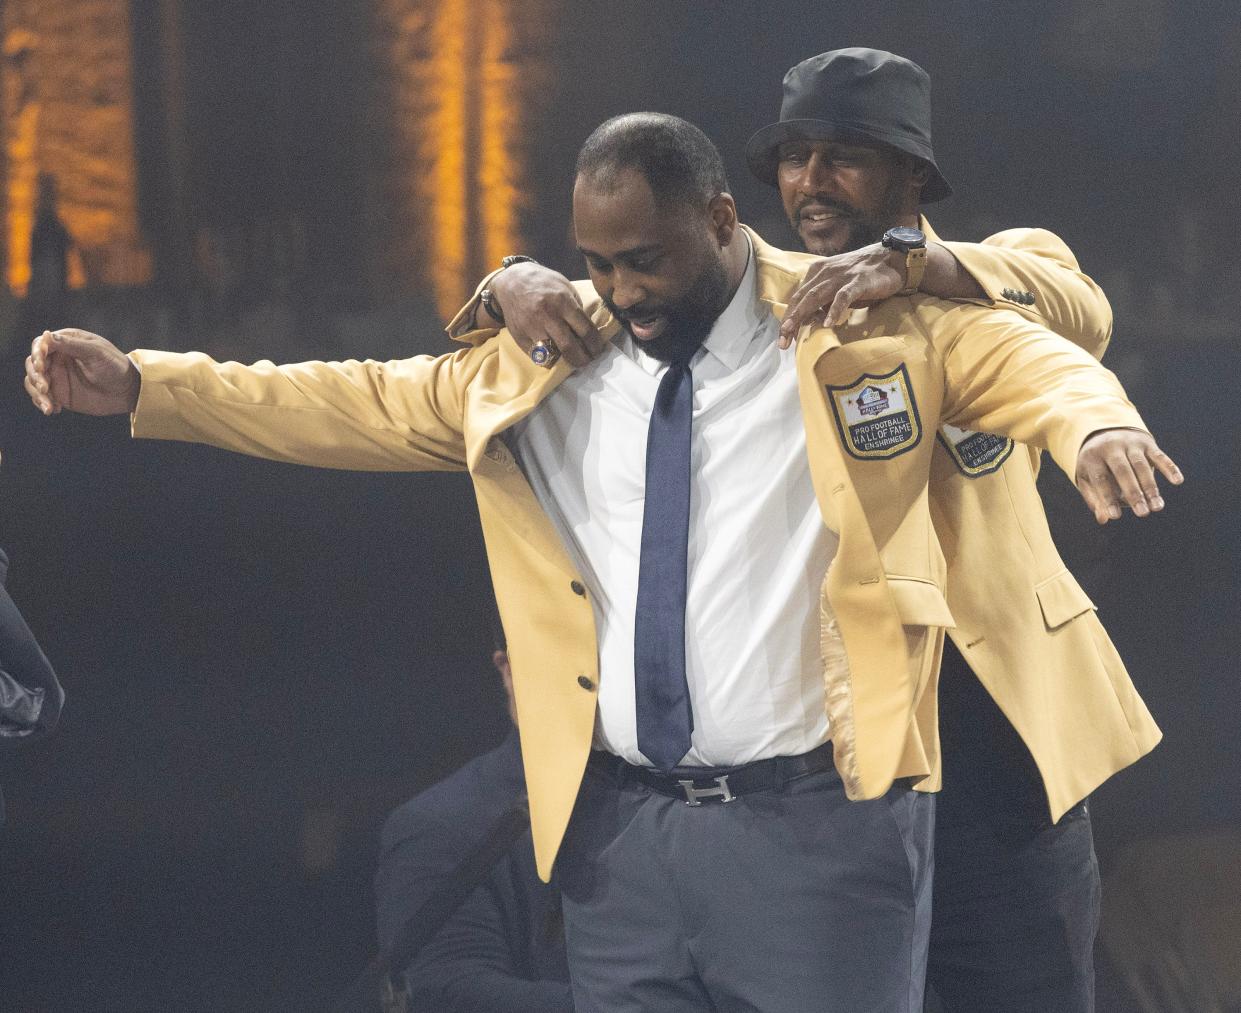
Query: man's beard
{"points": [[689, 320], [863, 228]]}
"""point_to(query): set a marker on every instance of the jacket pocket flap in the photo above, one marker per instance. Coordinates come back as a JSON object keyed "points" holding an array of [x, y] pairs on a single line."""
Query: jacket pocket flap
{"points": [[919, 602], [1061, 598]]}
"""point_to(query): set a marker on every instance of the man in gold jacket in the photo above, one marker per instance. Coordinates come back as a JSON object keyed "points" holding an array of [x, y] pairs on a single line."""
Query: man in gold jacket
{"points": [[836, 912], [1016, 899], [1016, 903]]}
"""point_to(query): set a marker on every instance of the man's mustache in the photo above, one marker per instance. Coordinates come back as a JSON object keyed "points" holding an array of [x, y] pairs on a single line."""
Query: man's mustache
{"points": [[639, 313], [634, 312], [825, 204]]}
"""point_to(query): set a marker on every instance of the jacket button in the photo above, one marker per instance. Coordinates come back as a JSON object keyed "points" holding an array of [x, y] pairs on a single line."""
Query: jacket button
{"points": [[1029, 298], [1007, 293], [586, 682], [578, 588]]}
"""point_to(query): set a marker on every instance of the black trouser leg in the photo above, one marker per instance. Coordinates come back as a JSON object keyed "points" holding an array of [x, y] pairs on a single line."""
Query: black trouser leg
{"points": [[1016, 904]]}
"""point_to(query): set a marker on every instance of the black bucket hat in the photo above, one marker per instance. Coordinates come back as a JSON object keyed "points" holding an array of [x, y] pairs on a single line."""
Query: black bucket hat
{"points": [[857, 96]]}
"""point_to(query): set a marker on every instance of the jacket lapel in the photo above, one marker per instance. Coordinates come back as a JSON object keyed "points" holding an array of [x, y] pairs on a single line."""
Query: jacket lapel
{"points": [[779, 274], [515, 387]]}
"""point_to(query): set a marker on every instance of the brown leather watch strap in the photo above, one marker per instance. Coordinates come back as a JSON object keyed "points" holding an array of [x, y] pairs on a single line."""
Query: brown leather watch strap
{"points": [[915, 267]]}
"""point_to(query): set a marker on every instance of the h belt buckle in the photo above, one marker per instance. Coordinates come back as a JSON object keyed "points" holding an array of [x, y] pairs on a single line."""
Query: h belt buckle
{"points": [[720, 791]]}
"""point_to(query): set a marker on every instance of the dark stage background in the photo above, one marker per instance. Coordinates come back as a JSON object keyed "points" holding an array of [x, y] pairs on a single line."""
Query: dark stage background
{"points": [[262, 660]]}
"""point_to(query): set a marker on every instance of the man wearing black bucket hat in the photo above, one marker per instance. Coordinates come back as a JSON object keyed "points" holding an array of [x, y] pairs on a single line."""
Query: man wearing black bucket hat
{"points": [[1016, 893], [1016, 898]]}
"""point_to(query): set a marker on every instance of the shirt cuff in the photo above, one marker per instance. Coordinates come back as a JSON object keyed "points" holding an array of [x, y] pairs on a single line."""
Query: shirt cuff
{"points": [[464, 326]]}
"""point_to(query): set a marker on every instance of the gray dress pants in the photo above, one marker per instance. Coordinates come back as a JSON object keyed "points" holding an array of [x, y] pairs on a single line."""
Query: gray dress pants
{"points": [[793, 900]]}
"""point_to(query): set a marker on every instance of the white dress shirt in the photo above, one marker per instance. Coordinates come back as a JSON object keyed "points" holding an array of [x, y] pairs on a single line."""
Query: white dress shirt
{"points": [[758, 548]]}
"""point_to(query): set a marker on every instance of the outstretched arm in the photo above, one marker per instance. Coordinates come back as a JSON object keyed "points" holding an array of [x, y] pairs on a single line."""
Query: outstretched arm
{"points": [[395, 416], [1006, 374]]}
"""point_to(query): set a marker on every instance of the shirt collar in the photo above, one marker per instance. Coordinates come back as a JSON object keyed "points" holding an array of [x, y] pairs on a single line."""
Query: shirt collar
{"points": [[733, 329]]}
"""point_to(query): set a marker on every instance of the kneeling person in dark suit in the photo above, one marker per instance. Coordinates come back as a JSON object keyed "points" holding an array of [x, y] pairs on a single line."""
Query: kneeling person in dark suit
{"points": [[502, 950]]}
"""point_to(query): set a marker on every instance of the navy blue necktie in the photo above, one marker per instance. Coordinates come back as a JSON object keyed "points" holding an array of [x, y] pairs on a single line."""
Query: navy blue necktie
{"points": [[665, 721]]}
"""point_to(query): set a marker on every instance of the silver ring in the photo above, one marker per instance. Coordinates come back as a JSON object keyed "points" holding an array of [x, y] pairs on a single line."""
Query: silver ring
{"points": [[544, 354]]}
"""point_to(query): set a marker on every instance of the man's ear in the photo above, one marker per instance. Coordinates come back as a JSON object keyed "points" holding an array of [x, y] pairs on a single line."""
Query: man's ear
{"points": [[499, 658], [722, 211]]}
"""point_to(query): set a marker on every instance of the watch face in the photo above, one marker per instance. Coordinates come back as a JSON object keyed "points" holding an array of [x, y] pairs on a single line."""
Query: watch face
{"points": [[904, 238]]}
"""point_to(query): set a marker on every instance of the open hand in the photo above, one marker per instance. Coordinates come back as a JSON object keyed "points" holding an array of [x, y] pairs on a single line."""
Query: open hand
{"points": [[1116, 467], [80, 371]]}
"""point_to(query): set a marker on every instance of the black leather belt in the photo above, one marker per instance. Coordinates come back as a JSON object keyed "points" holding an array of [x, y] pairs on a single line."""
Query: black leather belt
{"points": [[696, 785]]}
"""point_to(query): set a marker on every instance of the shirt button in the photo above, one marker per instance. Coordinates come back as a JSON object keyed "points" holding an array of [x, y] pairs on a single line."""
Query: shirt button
{"points": [[578, 588], [585, 682]]}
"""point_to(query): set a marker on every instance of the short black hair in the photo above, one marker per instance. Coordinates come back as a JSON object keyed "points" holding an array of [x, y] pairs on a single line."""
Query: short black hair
{"points": [[677, 159]]}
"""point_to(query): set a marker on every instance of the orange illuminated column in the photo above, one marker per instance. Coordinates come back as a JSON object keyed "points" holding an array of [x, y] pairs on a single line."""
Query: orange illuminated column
{"points": [[464, 74], [68, 110]]}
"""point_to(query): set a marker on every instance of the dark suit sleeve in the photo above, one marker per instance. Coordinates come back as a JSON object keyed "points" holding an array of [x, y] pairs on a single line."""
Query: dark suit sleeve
{"points": [[418, 853], [502, 949], [470, 966], [30, 695]]}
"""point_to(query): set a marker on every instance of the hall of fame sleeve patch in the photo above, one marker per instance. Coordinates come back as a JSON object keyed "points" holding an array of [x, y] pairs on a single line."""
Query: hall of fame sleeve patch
{"points": [[877, 416], [976, 454]]}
